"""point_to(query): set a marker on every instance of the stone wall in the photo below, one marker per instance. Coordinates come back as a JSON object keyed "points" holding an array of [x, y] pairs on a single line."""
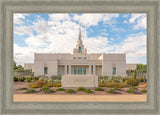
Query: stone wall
{"points": [[79, 81]]}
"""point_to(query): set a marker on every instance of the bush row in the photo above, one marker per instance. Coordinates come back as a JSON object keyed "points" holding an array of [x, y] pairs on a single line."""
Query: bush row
{"points": [[112, 91], [22, 79]]}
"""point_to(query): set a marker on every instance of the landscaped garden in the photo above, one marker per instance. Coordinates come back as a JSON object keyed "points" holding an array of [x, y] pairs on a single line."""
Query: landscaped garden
{"points": [[113, 85], [106, 85]]}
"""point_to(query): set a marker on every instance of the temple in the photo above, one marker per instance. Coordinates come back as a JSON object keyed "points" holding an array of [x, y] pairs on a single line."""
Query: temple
{"points": [[78, 63]]}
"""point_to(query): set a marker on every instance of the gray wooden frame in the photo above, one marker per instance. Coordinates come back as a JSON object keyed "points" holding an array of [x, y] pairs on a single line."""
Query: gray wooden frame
{"points": [[8, 7]]}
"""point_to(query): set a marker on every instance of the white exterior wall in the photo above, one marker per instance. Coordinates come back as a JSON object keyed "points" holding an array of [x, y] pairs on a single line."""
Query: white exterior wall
{"points": [[98, 70], [102, 64], [61, 70], [116, 60], [29, 66], [46, 60]]}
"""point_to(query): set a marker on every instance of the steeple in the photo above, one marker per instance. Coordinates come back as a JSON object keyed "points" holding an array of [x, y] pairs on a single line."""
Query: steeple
{"points": [[79, 32], [79, 41], [79, 47]]}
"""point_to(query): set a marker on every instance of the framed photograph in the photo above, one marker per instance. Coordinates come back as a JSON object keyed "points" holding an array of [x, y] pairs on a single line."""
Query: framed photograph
{"points": [[79, 57]]}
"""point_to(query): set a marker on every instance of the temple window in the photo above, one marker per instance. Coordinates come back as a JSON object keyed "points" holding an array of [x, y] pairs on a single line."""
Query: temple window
{"points": [[45, 70], [79, 70], [79, 50], [84, 70], [75, 71], [113, 70]]}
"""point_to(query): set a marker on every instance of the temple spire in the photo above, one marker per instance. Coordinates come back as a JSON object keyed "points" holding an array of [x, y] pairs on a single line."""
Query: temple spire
{"points": [[79, 47], [80, 32]]}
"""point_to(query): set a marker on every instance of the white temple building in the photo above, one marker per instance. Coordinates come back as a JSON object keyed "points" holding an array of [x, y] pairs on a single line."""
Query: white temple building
{"points": [[78, 63]]}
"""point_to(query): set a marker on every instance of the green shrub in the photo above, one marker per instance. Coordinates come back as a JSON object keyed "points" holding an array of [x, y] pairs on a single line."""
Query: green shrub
{"points": [[31, 91], [112, 91], [23, 88], [81, 89], [21, 79], [35, 78], [133, 82], [47, 90], [112, 77], [116, 80], [41, 78], [100, 78], [46, 79], [88, 91], [70, 91], [43, 88], [118, 89], [29, 79], [131, 90], [134, 74], [53, 77], [106, 77], [123, 79], [15, 79], [56, 81], [103, 81], [59, 77], [60, 89], [99, 89], [144, 91]]}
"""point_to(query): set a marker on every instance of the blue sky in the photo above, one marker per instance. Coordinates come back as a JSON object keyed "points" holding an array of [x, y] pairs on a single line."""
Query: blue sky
{"points": [[101, 33]]}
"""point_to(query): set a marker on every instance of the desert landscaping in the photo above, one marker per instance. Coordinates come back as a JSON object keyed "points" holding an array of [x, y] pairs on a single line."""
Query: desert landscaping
{"points": [[115, 88], [43, 89]]}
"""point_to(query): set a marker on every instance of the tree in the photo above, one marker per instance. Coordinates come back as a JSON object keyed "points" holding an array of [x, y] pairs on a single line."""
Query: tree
{"points": [[141, 68], [19, 69]]}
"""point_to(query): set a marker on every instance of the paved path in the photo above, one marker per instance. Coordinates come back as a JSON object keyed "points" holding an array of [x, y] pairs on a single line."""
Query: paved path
{"points": [[78, 98]]}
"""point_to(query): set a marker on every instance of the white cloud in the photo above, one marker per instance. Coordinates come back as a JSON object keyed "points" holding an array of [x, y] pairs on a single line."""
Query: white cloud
{"points": [[140, 19], [93, 19], [23, 54], [141, 23], [59, 17], [108, 17], [22, 30], [40, 26], [134, 46], [125, 16], [135, 17], [18, 18], [96, 44], [125, 22], [88, 19]]}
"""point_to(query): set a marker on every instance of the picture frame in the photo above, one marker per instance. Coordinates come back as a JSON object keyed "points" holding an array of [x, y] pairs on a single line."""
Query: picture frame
{"points": [[8, 7]]}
